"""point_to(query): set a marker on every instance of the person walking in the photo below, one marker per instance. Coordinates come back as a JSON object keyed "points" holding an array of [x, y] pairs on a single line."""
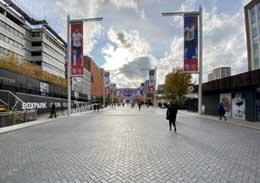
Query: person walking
{"points": [[221, 111], [140, 106], [53, 110], [98, 106], [171, 115]]}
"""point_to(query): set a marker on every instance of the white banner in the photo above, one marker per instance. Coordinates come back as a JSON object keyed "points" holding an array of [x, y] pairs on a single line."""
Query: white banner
{"points": [[238, 106], [152, 80]]}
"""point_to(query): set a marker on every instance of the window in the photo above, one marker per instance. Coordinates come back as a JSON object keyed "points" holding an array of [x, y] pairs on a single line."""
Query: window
{"points": [[253, 16], [38, 53], [36, 34], [254, 31], [36, 43], [92, 79]]}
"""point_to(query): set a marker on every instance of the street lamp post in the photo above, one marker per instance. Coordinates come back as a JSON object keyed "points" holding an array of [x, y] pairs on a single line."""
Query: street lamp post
{"points": [[195, 13], [69, 21], [154, 100]]}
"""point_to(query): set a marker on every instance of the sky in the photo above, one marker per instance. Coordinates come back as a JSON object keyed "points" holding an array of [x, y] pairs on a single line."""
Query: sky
{"points": [[134, 37]]}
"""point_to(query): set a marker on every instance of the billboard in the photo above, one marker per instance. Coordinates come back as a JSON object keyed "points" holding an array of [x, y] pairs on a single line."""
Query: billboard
{"points": [[191, 44], [238, 106], [152, 80], [114, 89], [107, 82], [225, 98], [77, 62], [142, 89]]}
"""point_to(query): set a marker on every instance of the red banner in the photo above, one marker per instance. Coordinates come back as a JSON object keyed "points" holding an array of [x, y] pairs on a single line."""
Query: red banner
{"points": [[77, 62]]}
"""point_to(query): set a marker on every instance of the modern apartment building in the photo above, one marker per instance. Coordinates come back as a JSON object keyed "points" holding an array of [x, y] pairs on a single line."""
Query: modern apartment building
{"points": [[30, 39], [252, 18], [97, 79], [219, 73]]}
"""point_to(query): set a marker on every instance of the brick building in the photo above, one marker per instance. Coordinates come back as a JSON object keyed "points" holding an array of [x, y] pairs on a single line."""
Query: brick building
{"points": [[97, 81]]}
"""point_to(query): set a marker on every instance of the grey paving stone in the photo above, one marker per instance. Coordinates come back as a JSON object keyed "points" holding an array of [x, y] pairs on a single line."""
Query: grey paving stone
{"points": [[127, 145]]}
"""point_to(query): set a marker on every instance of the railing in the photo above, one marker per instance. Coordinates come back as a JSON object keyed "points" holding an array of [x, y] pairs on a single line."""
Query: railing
{"points": [[18, 117], [13, 118], [61, 93], [12, 101]]}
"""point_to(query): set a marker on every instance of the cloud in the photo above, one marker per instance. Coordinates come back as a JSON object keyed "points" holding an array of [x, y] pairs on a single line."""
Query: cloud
{"points": [[134, 29], [133, 73], [137, 69], [124, 48], [224, 44]]}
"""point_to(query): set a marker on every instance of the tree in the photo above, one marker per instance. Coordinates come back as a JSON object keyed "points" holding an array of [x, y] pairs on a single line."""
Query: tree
{"points": [[176, 84]]}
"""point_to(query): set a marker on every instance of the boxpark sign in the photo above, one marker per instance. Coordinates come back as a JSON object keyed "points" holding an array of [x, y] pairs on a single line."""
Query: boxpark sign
{"points": [[34, 105], [42, 103]]}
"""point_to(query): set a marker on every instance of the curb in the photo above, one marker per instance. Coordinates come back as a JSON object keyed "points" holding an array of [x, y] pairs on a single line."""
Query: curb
{"points": [[231, 123], [224, 122], [12, 128]]}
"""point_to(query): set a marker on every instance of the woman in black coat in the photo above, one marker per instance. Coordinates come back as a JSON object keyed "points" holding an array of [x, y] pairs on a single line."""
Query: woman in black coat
{"points": [[171, 115]]}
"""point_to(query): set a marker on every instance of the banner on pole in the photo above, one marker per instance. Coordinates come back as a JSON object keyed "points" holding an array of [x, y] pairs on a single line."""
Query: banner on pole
{"points": [[114, 89], [77, 62], [142, 89], [191, 43], [107, 82], [152, 80]]}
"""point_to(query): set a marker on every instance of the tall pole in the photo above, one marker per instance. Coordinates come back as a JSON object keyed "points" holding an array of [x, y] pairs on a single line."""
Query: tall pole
{"points": [[104, 95], [112, 94], [154, 97], [69, 65], [200, 61]]}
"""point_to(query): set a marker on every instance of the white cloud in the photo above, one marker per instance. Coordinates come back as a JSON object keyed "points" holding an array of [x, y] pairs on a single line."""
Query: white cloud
{"points": [[125, 4], [125, 48], [135, 29]]}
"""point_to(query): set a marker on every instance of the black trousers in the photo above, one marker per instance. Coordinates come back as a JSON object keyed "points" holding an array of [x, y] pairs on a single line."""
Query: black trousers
{"points": [[172, 123], [222, 115], [53, 113]]}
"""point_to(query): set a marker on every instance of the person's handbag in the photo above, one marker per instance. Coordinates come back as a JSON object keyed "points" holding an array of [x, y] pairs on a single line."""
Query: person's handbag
{"points": [[167, 116]]}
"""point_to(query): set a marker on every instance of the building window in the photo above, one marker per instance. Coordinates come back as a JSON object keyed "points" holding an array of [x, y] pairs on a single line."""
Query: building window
{"points": [[36, 43], [38, 53], [253, 16], [254, 31], [36, 34], [92, 79]]}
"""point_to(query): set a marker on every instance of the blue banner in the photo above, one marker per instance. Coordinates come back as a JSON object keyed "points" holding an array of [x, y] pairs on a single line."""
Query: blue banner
{"points": [[191, 43]]}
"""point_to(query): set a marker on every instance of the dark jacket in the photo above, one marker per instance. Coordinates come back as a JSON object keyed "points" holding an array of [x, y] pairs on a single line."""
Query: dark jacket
{"points": [[171, 112], [221, 109]]}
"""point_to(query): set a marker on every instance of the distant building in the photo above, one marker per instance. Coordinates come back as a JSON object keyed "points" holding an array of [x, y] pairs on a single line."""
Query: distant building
{"points": [[82, 85], [219, 73], [146, 87], [160, 89], [33, 40], [128, 93], [97, 80], [252, 18], [210, 77]]}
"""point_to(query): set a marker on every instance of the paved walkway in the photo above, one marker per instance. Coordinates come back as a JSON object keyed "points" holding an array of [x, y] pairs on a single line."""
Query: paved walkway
{"points": [[127, 145], [247, 124]]}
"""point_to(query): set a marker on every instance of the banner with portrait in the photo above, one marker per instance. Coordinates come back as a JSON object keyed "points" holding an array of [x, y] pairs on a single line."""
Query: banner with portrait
{"points": [[152, 80], [238, 106], [107, 82], [77, 61], [191, 44]]}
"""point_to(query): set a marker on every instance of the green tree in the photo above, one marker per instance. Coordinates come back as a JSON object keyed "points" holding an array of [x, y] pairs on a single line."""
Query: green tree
{"points": [[176, 84]]}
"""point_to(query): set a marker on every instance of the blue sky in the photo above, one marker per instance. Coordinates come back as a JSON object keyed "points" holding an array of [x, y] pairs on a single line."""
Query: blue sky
{"points": [[134, 35]]}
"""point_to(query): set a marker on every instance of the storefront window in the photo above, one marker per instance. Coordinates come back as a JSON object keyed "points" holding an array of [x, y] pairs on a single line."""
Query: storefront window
{"points": [[253, 16], [254, 31]]}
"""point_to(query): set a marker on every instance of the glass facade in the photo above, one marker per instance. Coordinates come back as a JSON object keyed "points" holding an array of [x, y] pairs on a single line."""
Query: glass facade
{"points": [[254, 14]]}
